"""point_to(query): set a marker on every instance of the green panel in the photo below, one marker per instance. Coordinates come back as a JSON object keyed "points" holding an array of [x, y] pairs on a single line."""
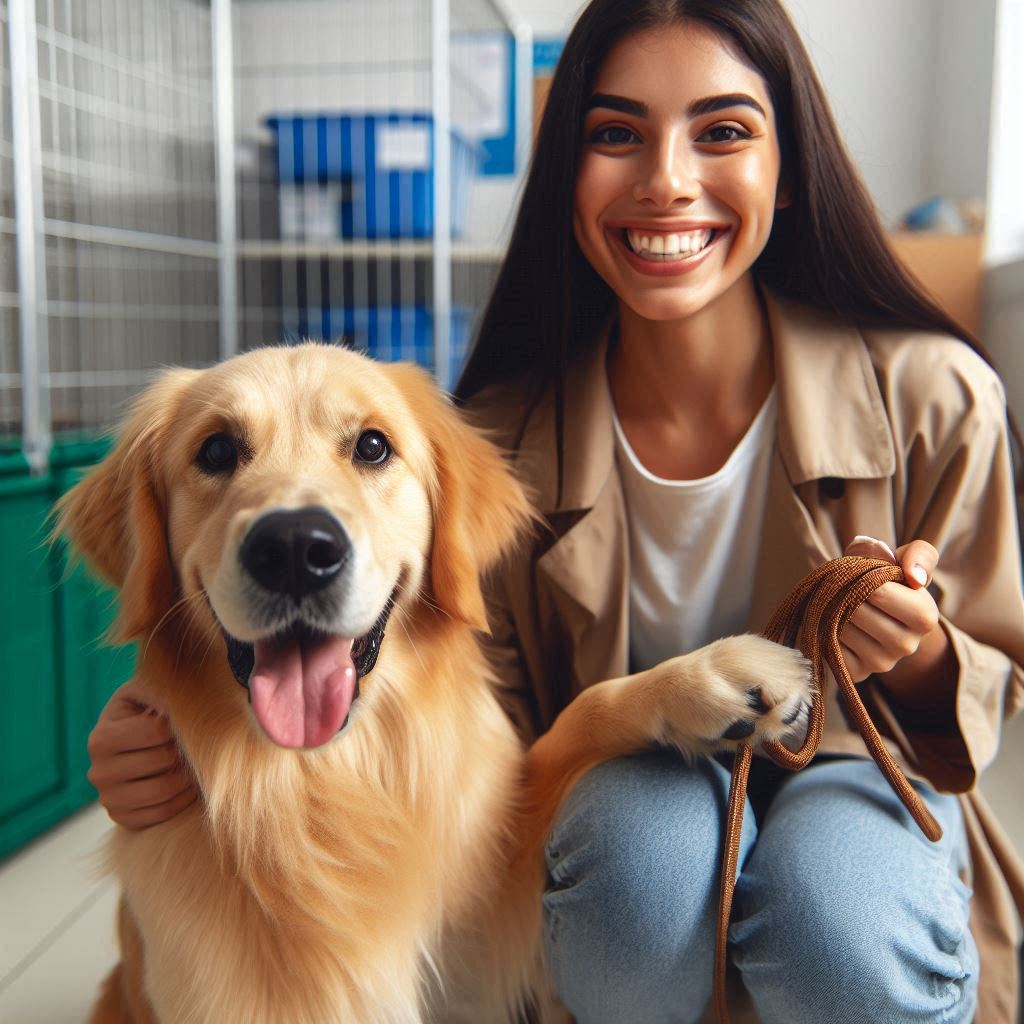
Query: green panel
{"points": [[57, 672], [31, 736]]}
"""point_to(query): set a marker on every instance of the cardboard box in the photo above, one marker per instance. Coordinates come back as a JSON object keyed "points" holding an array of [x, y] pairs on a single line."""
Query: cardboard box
{"points": [[949, 267]]}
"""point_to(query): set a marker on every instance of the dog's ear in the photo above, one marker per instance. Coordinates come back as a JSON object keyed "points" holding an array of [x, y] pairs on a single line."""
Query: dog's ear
{"points": [[115, 517], [479, 509]]}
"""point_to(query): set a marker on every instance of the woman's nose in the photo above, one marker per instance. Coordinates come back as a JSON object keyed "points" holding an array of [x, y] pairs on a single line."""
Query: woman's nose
{"points": [[669, 176]]}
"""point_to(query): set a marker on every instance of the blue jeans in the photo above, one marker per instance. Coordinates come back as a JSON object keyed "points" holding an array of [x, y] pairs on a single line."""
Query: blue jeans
{"points": [[843, 910]]}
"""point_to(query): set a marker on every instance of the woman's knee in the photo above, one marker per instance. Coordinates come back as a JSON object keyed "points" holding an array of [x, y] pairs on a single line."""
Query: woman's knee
{"points": [[633, 865], [845, 913]]}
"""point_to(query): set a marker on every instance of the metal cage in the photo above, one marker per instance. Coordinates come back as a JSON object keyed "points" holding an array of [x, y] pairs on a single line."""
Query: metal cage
{"points": [[152, 211]]}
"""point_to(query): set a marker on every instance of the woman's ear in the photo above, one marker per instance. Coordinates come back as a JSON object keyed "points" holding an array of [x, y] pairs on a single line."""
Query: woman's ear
{"points": [[115, 515]]}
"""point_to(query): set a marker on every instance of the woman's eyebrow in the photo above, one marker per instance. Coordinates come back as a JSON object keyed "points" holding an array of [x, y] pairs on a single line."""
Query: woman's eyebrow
{"points": [[706, 105], [620, 103], [709, 104]]}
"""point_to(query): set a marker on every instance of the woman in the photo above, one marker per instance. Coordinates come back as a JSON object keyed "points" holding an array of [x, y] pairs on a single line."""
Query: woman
{"points": [[732, 381], [726, 378]]}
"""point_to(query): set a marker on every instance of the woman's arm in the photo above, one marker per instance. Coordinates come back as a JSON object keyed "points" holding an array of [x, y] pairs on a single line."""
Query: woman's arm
{"points": [[947, 701]]}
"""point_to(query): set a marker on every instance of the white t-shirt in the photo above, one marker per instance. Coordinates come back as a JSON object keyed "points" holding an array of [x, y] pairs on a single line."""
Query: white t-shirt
{"points": [[693, 545]]}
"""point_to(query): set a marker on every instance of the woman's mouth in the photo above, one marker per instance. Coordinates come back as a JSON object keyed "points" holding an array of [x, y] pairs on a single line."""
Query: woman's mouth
{"points": [[668, 247]]}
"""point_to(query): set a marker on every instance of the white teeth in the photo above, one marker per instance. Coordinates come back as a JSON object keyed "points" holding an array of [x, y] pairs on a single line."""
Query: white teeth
{"points": [[674, 245]]}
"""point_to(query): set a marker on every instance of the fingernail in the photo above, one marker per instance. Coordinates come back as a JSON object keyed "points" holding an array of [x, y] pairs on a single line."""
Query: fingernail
{"points": [[919, 574], [875, 542]]}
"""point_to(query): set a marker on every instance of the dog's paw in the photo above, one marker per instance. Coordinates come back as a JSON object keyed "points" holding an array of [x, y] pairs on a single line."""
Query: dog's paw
{"points": [[738, 688]]}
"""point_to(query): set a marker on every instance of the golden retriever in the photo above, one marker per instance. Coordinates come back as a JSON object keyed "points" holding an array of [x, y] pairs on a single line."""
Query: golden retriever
{"points": [[369, 844]]}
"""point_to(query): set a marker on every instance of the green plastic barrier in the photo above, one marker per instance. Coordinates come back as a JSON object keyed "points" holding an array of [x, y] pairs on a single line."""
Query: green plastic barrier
{"points": [[56, 671]]}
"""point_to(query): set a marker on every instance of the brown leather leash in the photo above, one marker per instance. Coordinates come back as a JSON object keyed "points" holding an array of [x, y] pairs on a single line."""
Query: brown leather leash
{"points": [[812, 618]]}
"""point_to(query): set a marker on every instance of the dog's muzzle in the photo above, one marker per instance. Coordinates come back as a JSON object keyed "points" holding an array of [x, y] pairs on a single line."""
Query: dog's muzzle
{"points": [[292, 557]]}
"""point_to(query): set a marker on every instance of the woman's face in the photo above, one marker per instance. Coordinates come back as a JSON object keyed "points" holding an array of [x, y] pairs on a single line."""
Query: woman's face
{"points": [[679, 179]]}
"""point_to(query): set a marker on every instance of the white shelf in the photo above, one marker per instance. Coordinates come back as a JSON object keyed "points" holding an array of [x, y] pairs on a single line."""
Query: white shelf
{"points": [[369, 248]]}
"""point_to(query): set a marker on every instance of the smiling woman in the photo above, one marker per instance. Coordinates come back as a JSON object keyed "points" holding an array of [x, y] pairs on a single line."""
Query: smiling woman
{"points": [[716, 376]]}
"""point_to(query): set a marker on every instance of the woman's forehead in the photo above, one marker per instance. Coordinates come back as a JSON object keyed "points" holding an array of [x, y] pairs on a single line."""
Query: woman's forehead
{"points": [[688, 60]]}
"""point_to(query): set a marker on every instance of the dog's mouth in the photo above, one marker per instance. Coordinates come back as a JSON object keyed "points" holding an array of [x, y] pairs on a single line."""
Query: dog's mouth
{"points": [[303, 682]]}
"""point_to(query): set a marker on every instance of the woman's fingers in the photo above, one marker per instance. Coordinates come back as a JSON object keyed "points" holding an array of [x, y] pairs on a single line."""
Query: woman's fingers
{"points": [[857, 669], [146, 798], [917, 560], [912, 610], [155, 814], [135, 764], [870, 547], [871, 655], [887, 628], [118, 735]]}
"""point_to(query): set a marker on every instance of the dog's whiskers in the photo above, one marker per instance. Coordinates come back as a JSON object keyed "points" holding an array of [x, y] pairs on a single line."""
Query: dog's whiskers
{"points": [[181, 602], [412, 644]]}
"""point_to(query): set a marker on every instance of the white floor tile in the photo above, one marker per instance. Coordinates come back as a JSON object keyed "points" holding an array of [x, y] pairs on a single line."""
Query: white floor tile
{"points": [[44, 883], [60, 986]]}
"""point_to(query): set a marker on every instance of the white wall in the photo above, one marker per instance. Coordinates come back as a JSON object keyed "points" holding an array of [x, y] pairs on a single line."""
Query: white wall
{"points": [[960, 99], [1004, 243], [1005, 235], [307, 55]]}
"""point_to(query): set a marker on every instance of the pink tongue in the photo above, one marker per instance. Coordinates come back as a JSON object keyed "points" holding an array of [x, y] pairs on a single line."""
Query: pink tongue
{"points": [[301, 696]]}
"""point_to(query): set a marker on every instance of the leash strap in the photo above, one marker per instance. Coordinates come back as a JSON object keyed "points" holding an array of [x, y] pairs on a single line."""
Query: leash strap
{"points": [[812, 618]]}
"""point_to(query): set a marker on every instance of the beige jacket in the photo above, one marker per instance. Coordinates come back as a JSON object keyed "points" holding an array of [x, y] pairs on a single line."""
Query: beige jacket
{"points": [[884, 433]]}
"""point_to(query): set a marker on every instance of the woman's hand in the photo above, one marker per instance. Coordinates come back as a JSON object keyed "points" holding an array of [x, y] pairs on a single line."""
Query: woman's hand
{"points": [[896, 621], [136, 765]]}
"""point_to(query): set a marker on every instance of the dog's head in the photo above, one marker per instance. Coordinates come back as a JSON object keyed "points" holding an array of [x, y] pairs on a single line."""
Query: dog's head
{"points": [[291, 498]]}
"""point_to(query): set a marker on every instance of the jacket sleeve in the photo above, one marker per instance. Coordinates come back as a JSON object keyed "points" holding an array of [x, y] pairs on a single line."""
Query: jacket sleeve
{"points": [[960, 496]]}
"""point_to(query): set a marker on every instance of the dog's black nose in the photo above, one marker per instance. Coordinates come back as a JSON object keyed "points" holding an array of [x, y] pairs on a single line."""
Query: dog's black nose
{"points": [[295, 552]]}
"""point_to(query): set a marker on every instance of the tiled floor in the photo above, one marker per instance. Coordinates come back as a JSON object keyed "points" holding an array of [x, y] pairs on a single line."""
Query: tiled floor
{"points": [[57, 915]]}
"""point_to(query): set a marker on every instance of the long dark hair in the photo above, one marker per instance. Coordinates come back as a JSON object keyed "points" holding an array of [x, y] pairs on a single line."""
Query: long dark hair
{"points": [[826, 250]]}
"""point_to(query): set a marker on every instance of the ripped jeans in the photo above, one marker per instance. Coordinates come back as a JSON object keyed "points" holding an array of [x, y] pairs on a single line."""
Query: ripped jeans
{"points": [[843, 911]]}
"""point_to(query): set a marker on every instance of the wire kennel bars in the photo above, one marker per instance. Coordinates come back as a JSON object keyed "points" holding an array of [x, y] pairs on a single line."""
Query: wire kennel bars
{"points": [[151, 214]]}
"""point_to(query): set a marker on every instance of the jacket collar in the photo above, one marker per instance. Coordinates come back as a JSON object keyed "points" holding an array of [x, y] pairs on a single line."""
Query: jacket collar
{"points": [[832, 419]]}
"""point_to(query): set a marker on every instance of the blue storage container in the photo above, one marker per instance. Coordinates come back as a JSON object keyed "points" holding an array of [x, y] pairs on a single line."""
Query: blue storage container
{"points": [[388, 333], [385, 163]]}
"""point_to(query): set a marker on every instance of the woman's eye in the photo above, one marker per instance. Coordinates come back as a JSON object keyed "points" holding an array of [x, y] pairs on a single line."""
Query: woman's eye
{"points": [[372, 448], [724, 133], [614, 135], [219, 454]]}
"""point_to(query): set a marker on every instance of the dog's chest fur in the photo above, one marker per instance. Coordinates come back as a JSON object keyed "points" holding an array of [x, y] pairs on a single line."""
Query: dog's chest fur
{"points": [[316, 887]]}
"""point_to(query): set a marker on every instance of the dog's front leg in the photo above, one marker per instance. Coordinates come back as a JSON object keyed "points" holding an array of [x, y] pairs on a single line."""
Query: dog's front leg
{"points": [[742, 687], [122, 998]]}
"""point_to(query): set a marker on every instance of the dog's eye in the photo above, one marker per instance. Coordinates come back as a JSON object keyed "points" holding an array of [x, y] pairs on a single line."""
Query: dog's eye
{"points": [[372, 447], [219, 454]]}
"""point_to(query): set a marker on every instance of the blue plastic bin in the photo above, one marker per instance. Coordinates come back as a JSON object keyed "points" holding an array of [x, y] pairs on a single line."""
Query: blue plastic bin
{"points": [[386, 163], [388, 333]]}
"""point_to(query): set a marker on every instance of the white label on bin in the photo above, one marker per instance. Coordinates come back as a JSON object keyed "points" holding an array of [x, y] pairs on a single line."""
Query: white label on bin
{"points": [[403, 147]]}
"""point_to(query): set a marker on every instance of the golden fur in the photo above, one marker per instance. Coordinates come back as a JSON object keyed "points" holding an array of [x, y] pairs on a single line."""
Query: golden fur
{"points": [[394, 873]]}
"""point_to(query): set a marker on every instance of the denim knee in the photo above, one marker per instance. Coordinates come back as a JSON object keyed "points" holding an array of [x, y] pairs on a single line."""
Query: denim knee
{"points": [[633, 863], [845, 912]]}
